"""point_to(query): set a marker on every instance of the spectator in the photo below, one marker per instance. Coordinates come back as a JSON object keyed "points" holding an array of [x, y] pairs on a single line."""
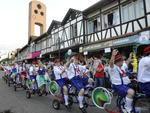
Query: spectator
{"points": [[99, 75]]}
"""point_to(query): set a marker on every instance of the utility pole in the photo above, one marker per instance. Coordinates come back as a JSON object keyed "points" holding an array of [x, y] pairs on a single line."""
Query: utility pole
{"points": [[59, 47]]}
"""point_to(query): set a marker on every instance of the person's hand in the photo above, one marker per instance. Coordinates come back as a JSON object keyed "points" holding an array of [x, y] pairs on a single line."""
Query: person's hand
{"points": [[131, 54], [72, 59], [115, 52]]}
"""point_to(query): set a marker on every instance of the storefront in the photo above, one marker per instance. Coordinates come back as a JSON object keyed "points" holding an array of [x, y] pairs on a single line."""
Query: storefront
{"points": [[34, 55], [135, 40]]}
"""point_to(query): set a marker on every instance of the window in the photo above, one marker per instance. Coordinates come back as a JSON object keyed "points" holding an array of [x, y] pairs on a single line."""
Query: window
{"points": [[67, 33], [148, 5], [139, 8], [37, 30], [74, 30], [36, 11], [111, 18], [56, 35], [44, 44], [79, 25], [38, 46], [42, 13], [132, 11], [128, 13], [90, 27], [116, 17], [105, 21], [39, 6], [47, 41], [51, 42], [94, 25], [98, 24]]}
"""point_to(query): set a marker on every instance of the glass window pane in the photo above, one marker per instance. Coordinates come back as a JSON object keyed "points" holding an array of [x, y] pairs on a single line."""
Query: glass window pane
{"points": [[139, 8], [98, 23], [116, 19], [79, 28], [148, 5], [131, 12]]}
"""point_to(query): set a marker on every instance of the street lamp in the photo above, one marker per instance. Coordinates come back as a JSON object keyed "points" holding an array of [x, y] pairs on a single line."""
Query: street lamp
{"points": [[59, 47]]}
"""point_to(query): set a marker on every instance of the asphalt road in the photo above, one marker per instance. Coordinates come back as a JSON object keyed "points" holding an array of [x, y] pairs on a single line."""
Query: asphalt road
{"points": [[17, 102]]}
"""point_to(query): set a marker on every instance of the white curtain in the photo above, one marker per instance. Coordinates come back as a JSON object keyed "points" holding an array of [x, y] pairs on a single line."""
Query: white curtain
{"points": [[105, 19], [131, 12], [78, 28], [116, 19], [67, 33], [125, 14], [139, 8], [148, 5], [98, 24], [90, 27]]}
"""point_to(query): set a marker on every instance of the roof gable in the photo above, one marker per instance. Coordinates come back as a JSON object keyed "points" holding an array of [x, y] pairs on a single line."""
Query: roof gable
{"points": [[71, 15], [54, 24]]}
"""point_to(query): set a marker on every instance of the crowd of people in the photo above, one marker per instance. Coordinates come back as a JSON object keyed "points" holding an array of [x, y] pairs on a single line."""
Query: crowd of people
{"points": [[95, 72]]}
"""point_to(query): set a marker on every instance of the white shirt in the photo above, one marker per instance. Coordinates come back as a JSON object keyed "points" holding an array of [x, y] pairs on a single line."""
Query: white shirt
{"points": [[17, 67], [115, 76], [75, 70], [95, 65], [144, 70], [31, 70], [20, 69], [83, 71], [57, 71], [125, 66]]}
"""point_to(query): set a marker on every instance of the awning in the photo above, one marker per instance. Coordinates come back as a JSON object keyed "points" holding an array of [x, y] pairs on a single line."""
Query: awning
{"points": [[36, 54], [29, 56], [140, 39]]}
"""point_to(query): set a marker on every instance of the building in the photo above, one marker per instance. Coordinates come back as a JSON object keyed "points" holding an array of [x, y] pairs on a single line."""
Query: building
{"points": [[117, 23], [106, 24]]}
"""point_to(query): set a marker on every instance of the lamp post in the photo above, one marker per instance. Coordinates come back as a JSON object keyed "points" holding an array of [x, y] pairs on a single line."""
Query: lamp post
{"points": [[59, 47]]}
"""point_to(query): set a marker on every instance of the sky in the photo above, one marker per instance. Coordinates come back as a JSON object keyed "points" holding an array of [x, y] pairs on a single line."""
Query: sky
{"points": [[14, 19]]}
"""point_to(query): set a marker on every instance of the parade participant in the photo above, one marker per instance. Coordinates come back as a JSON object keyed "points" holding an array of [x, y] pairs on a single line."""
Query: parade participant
{"points": [[14, 72], [119, 79], [41, 81], [61, 78], [8, 69], [32, 76], [24, 71], [126, 62], [85, 75], [99, 75], [144, 72], [74, 74]]}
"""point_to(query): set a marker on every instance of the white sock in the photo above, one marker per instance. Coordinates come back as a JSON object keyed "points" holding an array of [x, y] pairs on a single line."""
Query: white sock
{"points": [[128, 105], [80, 99], [32, 86], [66, 99]]}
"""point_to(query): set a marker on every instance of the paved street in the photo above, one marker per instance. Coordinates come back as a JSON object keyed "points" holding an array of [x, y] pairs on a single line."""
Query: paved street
{"points": [[17, 102]]}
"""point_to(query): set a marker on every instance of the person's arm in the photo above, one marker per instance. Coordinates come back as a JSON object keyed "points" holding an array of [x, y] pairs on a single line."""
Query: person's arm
{"points": [[101, 69], [57, 71], [68, 63], [64, 70], [111, 62], [129, 59]]}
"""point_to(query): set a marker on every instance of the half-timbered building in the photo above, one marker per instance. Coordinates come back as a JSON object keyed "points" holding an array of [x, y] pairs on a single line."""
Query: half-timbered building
{"points": [[115, 23], [66, 34], [106, 24]]}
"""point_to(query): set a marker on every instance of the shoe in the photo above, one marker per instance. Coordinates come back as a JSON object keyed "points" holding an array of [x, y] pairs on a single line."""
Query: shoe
{"points": [[68, 107], [127, 110], [83, 110]]}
